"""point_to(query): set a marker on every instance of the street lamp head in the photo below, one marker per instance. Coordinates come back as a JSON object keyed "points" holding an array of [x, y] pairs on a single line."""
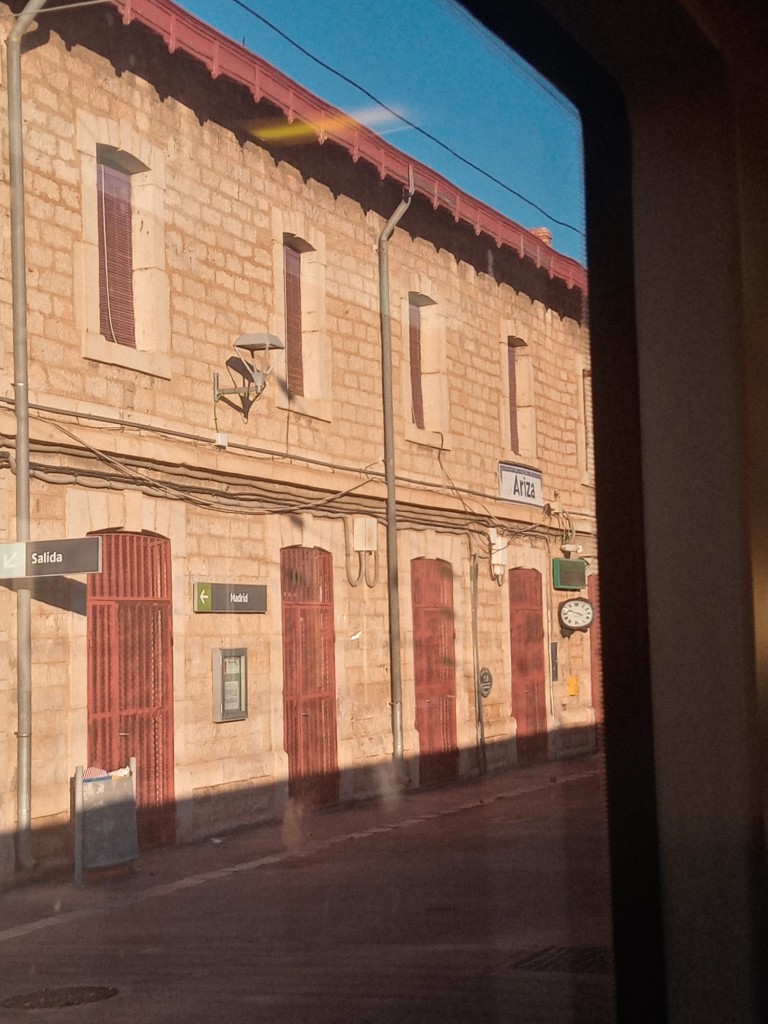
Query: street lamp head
{"points": [[259, 342], [244, 364]]}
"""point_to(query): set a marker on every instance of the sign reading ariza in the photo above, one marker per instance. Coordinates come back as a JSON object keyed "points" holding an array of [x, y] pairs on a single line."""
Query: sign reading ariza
{"points": [[520, 483], [230, 598]]}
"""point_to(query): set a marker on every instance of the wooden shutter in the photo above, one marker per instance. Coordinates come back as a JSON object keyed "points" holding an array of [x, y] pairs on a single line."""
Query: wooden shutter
{"points": [[596, 660], [514, 436], [115, 256], [294, 356], [589, 436], [417, 395]]}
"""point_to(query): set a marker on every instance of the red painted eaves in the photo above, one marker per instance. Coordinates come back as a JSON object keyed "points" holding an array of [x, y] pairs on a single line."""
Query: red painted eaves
{"points": [[222, 56]]}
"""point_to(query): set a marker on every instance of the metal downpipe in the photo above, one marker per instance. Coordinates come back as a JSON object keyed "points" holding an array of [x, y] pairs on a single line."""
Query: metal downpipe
{"points": [[21, 393], [393, 587]]}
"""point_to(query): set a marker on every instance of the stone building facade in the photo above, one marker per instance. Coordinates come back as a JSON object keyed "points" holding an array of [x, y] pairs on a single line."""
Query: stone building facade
{"points": [[242, 222]]}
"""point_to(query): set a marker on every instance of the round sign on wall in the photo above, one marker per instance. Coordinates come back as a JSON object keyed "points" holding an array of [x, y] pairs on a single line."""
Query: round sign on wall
{"points": [[485, 681]]}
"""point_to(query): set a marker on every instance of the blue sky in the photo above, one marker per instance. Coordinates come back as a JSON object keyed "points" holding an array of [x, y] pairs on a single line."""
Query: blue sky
{"points": [[430, 62]]}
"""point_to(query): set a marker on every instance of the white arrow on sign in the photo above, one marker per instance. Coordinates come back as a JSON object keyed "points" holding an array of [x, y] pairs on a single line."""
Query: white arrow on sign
{"points": [[12, 560]]}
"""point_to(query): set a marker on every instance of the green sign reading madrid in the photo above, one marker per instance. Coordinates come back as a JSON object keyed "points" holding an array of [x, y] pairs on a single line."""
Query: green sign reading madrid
{"points": [[230, 598]]}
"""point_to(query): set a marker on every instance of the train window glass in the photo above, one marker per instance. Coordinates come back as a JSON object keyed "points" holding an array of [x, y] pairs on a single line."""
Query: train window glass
{"points": [[381, 207]]}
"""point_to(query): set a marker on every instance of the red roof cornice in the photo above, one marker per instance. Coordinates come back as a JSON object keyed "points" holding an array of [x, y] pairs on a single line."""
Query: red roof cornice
{"points": [[222, 56]]}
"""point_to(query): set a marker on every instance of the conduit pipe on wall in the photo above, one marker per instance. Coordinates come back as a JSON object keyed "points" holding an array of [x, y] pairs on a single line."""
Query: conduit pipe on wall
{"points": [[21, 392], [393, 587]]}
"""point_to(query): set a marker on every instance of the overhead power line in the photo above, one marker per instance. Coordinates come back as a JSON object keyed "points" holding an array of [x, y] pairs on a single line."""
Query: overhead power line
{"points": [[404, 120]]}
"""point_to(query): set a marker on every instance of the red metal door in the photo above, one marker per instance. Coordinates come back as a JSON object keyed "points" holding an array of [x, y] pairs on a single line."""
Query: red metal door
{"points": [[434, 669], [309, 676], [596, 659], [130, 673], [526, 628]]}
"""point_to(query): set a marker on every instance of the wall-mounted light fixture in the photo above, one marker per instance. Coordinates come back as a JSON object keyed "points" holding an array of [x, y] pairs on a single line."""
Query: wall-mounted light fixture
{"points": [[253, 372], [361, 539], [498, 546]]}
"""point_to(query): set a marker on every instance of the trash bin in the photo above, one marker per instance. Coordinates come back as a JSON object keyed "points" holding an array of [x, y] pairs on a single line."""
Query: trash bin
{"points": [[105, 818]]}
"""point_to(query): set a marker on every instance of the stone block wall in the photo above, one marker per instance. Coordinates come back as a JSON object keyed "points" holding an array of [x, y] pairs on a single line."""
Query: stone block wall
{"points": [[124, 438]]}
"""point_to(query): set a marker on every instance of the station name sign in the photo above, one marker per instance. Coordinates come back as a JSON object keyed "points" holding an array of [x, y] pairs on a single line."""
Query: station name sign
{"points": [[518, 483], [50, 557], [230, 598]]}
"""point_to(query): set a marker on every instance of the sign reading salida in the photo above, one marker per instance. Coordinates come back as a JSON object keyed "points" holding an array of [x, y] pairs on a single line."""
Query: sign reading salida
{"points": [[67, 557], [43, 557], [518, 483]]}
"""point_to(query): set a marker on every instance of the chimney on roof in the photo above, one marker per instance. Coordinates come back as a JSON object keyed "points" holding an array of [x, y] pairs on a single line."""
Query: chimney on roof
{"points": [[543, 234]]}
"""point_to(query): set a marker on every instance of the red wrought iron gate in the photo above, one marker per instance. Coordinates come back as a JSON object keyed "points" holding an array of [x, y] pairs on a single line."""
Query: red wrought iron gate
{"points": [[596, 660], [130, 673], [309, 674], [434, 669], [526, 629]]}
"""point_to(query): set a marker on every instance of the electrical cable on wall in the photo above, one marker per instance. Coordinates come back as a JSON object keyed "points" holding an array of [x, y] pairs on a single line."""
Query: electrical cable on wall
{"points": [[368, 472], [264, 498]]}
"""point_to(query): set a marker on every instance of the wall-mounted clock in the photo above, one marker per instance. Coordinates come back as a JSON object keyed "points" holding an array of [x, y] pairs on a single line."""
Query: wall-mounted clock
{"points": [[577, 613]]}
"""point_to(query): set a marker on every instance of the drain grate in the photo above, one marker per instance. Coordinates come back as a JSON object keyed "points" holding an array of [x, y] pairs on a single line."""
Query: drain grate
{"points": [[49, 998], [568, 959]]}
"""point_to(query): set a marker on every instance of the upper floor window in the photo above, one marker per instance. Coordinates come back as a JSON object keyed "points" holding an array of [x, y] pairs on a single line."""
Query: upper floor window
{"points": [[426, 384], [589, 442], [115, 214], [513, 344], [304, 367], [123, 293], [584, 424], [294, 347], [518, 415], [414, 341]]}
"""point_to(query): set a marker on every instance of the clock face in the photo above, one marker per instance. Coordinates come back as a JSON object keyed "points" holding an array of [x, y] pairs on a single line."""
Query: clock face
{"points": [[576, 613]]}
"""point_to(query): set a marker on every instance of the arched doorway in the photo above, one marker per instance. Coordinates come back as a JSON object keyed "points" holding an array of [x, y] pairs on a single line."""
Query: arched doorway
{"points": [[434, 669], [130, 673], [309, 675], [596, 659], [526, 632]]}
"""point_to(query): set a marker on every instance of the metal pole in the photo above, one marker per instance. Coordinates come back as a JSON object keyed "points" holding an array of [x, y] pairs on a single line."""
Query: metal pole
{"points": [[21, 393], [393, 589]]}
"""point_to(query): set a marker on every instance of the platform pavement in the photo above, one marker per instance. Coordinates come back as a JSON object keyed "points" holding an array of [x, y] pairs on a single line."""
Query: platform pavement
{"points": [[38, 904]]}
